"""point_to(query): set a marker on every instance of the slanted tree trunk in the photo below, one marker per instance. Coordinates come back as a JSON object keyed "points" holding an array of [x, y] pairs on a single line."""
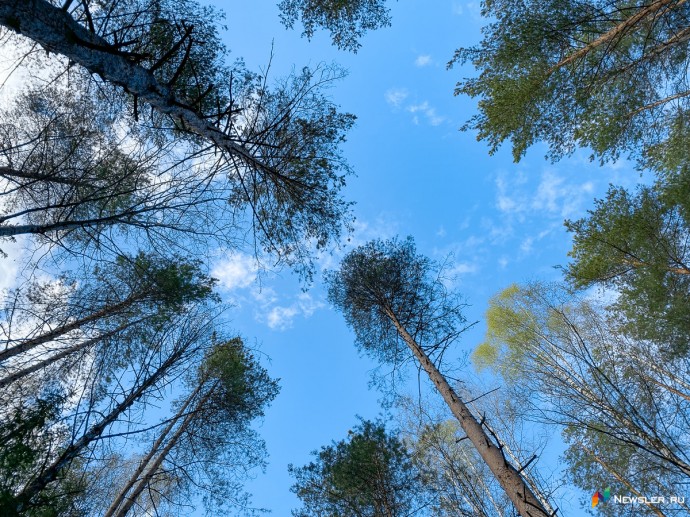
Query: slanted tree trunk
{"points": [[32, 343], [525, 501], [38, 365], [58, 32], [51, 472], [124, 501]]}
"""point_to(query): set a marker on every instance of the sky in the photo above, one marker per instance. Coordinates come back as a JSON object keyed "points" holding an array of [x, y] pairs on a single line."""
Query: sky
{"points": [[416, 174]]}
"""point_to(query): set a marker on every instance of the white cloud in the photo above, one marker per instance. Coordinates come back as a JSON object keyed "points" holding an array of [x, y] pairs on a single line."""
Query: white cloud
{"points": [[553, 196], [558, 197], [462, 268], [282, 317], [396, 96], [423, 60], [430, 113], [236, 271], [475, 10]]}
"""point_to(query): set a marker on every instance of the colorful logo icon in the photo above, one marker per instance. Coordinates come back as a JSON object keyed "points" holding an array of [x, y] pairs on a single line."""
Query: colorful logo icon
{"points": [[599, 497]]}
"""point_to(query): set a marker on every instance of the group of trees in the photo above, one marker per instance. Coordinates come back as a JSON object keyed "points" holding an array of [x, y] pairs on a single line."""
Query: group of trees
{"points": [[612, 376], [136, 143], [133, 149]]}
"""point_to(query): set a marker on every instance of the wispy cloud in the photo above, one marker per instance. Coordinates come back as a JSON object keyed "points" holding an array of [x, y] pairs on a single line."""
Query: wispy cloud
{"points": [[423, 60], [554, 195], [474, 9], [396, 96], [282, 317], [429, 113], [236, 271]]}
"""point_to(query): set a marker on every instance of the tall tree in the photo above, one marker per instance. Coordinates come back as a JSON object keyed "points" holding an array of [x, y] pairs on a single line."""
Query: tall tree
{"points": [[47, 322], [393, 298], [347, 20], [206, 445], [623, 409], [209, 433], [637, 244], [27, 431], [451, 467], [369, 474], [277, 148], [606, 75], [74, 174]]}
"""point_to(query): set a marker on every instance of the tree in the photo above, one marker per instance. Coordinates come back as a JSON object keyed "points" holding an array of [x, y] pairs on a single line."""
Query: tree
{"points": [[452, 467], [25, 436], [636, 243], [369, 474], [204, 436], [206, 445], [461, 482], [346, 20], [48, 324], [98, 410], [623, 409], [392, 297], [75, 175], [609, 76], [276, 149]]}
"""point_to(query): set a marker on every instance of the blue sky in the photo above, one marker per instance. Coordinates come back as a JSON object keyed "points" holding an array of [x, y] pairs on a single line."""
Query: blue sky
{"points": [[416, 174]]}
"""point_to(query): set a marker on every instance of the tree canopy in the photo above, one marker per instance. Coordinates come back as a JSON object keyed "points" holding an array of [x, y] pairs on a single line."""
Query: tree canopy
{"points": [[622, 407], [609, 76], [272, 154], [347, 20], [394, 298], [637, 243], [368, 474]]}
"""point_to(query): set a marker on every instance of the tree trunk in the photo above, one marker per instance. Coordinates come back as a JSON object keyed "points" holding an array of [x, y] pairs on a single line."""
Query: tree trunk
{"points": [[526, 503], [7, 172], [619, 29], [117, 502], [51, 472], [9, 379], [30, 344], [58, 32], [144, 481]]}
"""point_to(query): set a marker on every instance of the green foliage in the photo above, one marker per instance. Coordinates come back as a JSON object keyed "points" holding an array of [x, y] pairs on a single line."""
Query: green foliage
{"points": [[294, 193], [243, 387], [167, 284], [179, 40], [216, 442], [511, 325], [347, 20], [636, 243], [609, 76], [382, 278], [370, 474], [622, 404], [27, 437]]}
